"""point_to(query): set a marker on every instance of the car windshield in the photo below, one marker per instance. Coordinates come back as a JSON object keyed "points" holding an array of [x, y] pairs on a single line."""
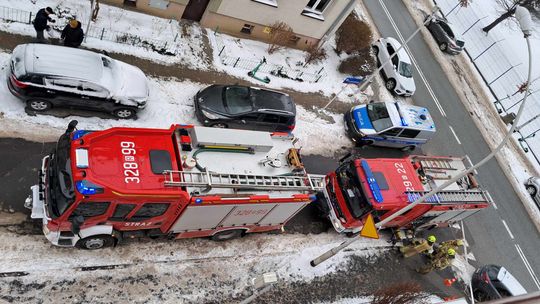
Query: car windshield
{"points": [[351, 190], [61, 192], [238, 100], [405, 69], [378, 114]]}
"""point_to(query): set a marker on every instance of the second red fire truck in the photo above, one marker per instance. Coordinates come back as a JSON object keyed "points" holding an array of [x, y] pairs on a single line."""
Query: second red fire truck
{"points": [[383, 186]]}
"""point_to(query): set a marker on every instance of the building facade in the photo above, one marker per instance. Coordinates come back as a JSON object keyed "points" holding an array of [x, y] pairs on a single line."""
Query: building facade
{"points": [[312, 21]]}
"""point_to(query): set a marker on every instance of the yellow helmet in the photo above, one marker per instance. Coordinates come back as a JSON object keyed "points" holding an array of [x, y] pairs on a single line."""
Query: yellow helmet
{"points": [[459, 242], [451, 252], [431, 239]]}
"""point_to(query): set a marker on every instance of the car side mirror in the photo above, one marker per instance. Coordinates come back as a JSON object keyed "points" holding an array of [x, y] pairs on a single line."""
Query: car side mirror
{"points": [[76, 223]]}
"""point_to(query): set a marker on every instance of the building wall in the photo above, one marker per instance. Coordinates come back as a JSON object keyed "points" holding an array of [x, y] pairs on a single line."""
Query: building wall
{"points": [[288, 11], [174, 10]]}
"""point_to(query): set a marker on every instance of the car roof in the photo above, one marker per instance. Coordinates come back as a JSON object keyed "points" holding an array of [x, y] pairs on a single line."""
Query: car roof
{"points": [[402, 54], [62, 61], [272, 101]]}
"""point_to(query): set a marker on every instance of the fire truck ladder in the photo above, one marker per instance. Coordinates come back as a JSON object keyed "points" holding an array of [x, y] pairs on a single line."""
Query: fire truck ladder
{"points": [[436, 163], [210, 180], [448, 197]]}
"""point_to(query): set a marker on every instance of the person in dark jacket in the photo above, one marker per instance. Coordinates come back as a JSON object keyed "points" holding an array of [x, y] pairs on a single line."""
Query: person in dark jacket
{"points": [[73, 34], [40, 23]]}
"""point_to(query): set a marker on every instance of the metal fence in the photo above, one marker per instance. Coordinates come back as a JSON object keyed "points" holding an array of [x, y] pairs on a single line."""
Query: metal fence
{"points": [[498, 69], [299, 74], [160, 46], [15, 15]]}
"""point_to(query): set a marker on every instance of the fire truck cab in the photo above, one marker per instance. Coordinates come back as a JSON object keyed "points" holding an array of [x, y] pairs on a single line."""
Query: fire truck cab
{"points": [[98, 187], [383, 186]]}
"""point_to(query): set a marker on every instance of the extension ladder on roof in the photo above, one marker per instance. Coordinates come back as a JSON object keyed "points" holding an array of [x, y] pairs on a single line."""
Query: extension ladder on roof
{"points": [[436, 163], [243, 181], [442, 197]]}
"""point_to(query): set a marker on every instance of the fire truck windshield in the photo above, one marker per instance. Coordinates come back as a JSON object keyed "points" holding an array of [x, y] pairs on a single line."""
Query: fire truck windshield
{"points": [[352, 191], [378, 114], [61, 192]]}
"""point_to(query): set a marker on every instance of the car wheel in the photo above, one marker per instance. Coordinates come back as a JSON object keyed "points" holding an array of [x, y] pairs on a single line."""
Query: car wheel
{"points": [[443, 46], [531, 190], [96, 242], [219, 125], [124, 113], [39, 105], [408, 148], [391, 84], [227, 235]]}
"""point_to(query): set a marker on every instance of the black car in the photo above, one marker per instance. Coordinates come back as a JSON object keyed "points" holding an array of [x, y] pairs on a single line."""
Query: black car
{"points": [[445, 37], [243, 107], [492, 282], [46, 76]]}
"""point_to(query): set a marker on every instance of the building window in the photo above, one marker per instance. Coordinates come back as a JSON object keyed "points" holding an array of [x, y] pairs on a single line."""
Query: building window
{"points": [[267, 2], [159, 4], [314, 8], [247, 29], [130, 3]]}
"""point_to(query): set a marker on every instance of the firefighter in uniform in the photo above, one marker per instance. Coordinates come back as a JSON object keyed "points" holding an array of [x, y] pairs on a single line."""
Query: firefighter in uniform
{"points": [[442, 248], [438, 262], [418, 245]]}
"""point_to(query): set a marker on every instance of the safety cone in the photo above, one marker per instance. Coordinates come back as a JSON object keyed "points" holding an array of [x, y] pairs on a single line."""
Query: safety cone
{"points": [[449, 282]]}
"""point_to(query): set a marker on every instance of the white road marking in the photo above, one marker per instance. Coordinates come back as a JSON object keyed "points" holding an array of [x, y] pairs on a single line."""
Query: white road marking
{"points": [[420, 73], [471, 163], [495, 206], [455, 135], [528, 266], [508, 229], [465, 254]]}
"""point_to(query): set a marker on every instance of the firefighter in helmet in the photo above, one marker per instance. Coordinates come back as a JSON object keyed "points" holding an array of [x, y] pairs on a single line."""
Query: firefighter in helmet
{"points": [[438, 262], [442, 248], [417, 246]]}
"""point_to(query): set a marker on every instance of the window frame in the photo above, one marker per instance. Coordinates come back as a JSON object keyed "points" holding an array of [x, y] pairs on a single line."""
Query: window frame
{"points": [[112, 218], [83, 203], [272, 3], [135, 218], [312, 8]]}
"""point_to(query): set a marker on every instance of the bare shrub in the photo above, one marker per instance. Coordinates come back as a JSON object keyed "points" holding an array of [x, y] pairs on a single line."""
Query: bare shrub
{"points": [[360, 64], [400, 293], [281, 35], [315, 54], [353, 35]]}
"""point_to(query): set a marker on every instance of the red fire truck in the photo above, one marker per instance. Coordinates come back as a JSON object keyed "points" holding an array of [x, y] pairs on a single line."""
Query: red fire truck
{"points": [[383, 186], [98, 187]]}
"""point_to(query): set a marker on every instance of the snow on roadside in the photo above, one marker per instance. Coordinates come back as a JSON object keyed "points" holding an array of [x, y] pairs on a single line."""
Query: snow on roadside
{"points": [[196, 270]]}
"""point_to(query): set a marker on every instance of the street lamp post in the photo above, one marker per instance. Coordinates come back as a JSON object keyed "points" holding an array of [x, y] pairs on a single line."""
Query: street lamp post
{"points": [[524, 18]]}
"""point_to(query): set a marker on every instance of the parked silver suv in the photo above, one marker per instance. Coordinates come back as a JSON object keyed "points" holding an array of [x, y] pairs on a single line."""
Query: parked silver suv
{"points": [[46, 76]]}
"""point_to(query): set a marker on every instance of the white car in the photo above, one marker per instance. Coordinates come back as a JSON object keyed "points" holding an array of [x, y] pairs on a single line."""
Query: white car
{"points": [[533, 187], [397, 71]]}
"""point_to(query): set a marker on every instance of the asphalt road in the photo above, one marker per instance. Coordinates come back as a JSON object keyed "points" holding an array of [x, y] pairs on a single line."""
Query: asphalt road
{"points": [[502, 235]]}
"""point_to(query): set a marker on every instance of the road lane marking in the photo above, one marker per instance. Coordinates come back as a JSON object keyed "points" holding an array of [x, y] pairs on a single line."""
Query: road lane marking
{"points": [[455, 135], [495, 206], [465, 255], [420, 73], [508, 229], [528, 266], [471, 163]]}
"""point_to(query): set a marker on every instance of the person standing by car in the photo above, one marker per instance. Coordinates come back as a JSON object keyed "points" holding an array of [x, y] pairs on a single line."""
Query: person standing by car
{"points": [[40, 23], [73, 34]]}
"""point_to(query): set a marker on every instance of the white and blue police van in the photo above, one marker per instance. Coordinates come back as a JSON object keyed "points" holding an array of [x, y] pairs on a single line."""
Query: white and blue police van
{"points": [[389, 124]]}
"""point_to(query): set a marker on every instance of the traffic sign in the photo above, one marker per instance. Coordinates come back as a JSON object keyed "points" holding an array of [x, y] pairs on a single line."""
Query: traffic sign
{"points": [[369, 230], [353, 80]]}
